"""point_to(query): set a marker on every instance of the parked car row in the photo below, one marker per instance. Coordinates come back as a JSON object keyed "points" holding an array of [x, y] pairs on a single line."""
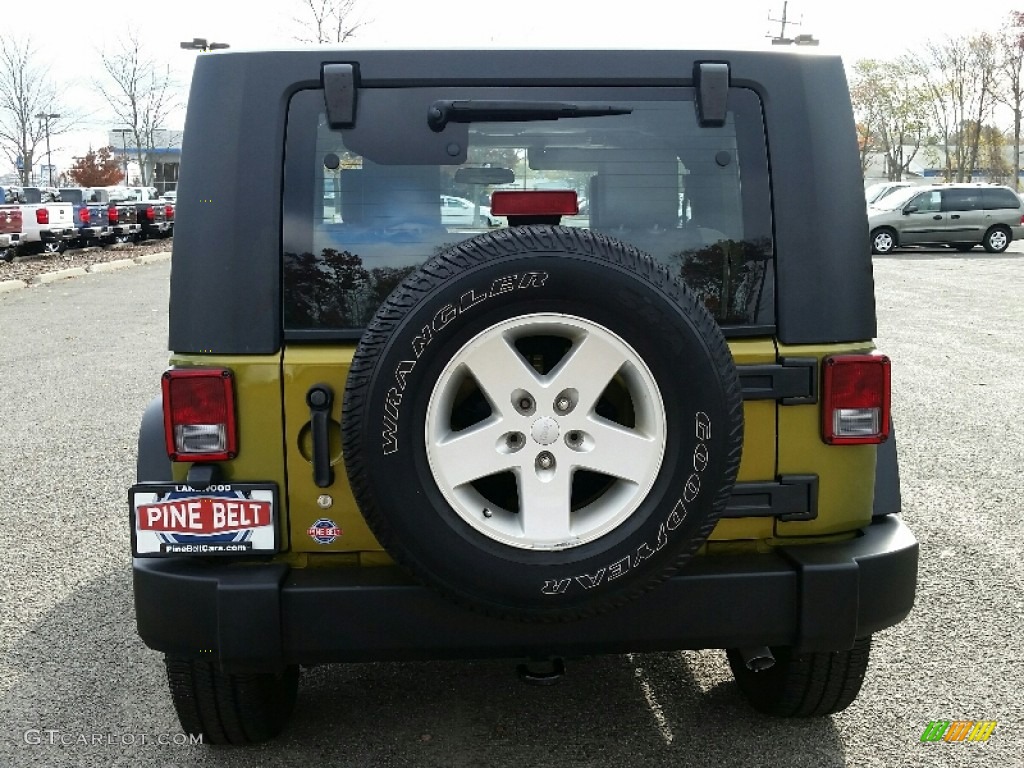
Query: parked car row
{"points": [[49, 220]]}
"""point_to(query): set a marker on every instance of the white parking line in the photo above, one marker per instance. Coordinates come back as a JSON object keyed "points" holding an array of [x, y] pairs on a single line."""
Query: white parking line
{"points": [[652, 702]]}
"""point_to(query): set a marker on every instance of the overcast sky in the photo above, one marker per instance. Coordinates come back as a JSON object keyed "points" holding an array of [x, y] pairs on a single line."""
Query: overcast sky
{"points": [[74, 32]]}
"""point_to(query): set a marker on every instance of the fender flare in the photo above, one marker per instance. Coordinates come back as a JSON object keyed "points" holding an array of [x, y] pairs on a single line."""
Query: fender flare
{"points": [[888, 500], [152, 463]]}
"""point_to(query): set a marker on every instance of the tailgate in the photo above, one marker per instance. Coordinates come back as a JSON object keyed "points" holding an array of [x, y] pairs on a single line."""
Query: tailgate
{"points": [[322, 518]]}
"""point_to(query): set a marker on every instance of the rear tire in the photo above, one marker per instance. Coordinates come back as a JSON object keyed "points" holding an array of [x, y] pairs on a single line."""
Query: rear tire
{"points": [[230, 708], [997, 240], [807, 685]]}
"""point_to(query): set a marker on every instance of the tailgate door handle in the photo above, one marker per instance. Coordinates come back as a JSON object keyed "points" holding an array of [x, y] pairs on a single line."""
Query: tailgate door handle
{"points": [[320, 397]]}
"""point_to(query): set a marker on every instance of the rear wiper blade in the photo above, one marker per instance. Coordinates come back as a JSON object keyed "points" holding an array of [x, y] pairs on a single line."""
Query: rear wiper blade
{"points": [[443, 112]]}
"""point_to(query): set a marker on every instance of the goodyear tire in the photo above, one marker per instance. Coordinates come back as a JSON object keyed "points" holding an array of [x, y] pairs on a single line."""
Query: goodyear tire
{"points": [[542, 424]]}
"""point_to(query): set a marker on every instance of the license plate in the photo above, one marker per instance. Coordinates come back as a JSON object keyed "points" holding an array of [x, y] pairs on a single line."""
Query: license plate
{"points": [[174, 519]]}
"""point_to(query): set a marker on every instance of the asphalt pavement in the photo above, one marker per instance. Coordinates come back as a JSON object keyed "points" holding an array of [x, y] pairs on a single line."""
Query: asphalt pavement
{"points": [[82, 357]]}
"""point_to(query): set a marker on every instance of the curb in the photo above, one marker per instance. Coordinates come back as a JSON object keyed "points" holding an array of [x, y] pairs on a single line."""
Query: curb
{"points": [[110, 266], [6, 286], [60, 274], [153, 258]]}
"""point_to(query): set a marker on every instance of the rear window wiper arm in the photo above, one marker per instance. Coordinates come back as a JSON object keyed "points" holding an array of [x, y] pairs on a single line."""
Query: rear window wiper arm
{"points": [[443, 112]]}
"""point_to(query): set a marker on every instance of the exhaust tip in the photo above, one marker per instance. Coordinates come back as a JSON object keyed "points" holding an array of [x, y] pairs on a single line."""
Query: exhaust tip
{"points": [[541, 671], [757, 659]]}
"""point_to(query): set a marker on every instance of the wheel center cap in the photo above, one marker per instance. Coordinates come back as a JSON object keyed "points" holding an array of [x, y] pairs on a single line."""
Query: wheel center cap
{"points": [[545, 430]]}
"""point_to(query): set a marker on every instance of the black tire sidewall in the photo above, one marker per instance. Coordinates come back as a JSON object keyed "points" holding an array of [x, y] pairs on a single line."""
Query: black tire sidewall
{"points": [[666, 328]]}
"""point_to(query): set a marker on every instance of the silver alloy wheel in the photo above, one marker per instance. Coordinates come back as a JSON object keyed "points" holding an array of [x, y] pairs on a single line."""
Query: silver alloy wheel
{"points": [[997, 240], [579, 445], [51, 246], [884, 242]]}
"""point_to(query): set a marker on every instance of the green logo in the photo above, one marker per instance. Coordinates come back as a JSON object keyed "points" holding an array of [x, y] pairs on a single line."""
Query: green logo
{"points": [[958, 730]]}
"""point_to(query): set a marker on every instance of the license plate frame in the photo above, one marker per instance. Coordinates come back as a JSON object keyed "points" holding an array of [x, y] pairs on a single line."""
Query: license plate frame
{"points": [[221, 520]]}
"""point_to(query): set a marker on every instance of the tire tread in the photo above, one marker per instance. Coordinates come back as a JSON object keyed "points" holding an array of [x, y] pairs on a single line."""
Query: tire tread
{"points": [[805, 685]]}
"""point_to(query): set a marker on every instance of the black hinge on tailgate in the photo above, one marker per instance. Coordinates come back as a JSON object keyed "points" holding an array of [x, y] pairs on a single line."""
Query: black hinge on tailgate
{"points": [[793, 381], [791, 498]]}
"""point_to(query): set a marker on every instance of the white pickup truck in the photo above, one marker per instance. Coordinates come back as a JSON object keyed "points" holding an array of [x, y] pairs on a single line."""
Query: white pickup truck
{"points": [[48, 225]]}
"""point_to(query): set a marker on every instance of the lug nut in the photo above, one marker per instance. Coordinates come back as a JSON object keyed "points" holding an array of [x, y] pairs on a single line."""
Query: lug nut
{"points": [[525, 403], [562, 404], [574, 439], [545, 460]]}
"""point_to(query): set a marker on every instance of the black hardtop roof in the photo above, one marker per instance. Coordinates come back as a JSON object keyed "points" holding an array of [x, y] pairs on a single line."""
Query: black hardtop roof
{"points": [[225, 284]]}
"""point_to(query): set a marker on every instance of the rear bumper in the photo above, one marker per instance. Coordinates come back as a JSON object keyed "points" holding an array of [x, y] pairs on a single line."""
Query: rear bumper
{"points": [[92, 233], [51, 235], [264, 616]]}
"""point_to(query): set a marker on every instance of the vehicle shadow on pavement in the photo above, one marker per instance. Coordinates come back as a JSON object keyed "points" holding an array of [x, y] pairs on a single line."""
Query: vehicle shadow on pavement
{"points": [[79, 688]]}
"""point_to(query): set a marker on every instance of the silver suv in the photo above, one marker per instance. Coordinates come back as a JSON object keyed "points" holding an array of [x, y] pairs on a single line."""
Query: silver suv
{"points": [[961, 215]]}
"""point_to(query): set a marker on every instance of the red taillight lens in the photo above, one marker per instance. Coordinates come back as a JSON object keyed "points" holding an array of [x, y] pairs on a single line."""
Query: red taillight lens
{"points": [[169, 212], [42, 216], [856, 399], [83, 215], [148, 213], [112, 214], [199, 414], [535, 202]]}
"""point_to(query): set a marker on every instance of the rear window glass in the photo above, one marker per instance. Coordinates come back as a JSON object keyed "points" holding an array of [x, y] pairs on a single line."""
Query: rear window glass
{"points": [[999, 198], [364, 206]]}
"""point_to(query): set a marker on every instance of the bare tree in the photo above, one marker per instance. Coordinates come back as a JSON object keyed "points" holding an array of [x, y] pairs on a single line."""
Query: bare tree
{"points": [[26, 90], [329, 21], [891, 105], [1010, 80], [960, 74], [141, 91]]}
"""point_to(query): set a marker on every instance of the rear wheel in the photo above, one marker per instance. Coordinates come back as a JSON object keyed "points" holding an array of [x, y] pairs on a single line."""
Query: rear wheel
{"points": [[230, 708], [804, 685], [53, 246], [997, 240], [883, 241]]}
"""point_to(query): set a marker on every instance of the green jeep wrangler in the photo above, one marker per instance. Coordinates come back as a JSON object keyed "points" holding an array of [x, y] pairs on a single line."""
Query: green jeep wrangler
{"points": [[628, 400]]}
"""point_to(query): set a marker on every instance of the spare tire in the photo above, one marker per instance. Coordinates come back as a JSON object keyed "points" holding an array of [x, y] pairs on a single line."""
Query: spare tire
{"points": [[541, 423]]}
